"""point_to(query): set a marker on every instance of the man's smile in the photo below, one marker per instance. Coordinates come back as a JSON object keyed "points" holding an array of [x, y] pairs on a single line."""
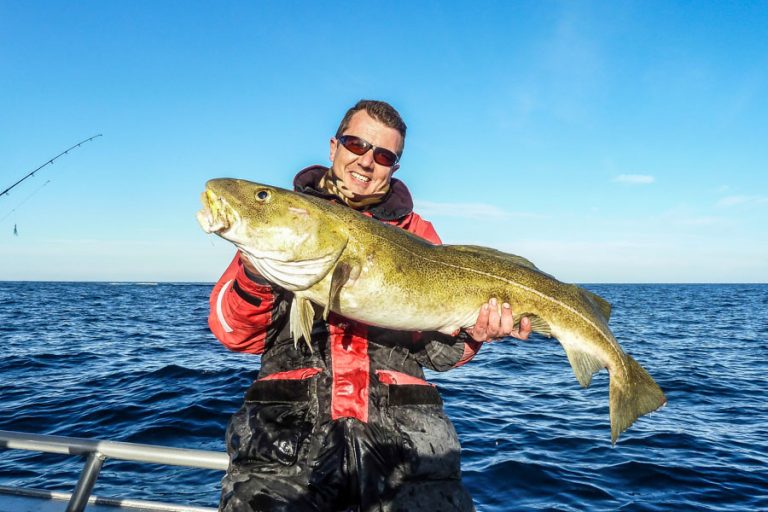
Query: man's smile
{"points": [[360, 177]]}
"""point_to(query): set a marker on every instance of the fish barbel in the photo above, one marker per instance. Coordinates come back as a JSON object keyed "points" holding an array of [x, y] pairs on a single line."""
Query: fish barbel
{"points": [[363, 269]]}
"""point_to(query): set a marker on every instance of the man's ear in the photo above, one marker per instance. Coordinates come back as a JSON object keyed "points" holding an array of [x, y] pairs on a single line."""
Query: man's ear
{"points": [[395, 167], [334, 147]]}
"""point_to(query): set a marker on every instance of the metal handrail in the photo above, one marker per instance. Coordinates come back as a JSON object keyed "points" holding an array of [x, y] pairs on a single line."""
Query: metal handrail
{"points": [[122, 503], [96, 451]]}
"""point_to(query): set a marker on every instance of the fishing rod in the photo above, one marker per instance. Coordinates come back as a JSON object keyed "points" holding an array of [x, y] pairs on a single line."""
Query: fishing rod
{"points": [[5, 192]]}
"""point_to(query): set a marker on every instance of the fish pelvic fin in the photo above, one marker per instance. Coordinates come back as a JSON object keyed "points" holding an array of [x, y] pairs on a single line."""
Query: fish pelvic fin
{"points": [[302, 317], [632, 397]]}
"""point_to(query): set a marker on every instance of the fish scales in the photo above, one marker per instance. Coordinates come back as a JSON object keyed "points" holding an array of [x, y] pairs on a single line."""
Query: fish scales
{"points": [[363, 269]]}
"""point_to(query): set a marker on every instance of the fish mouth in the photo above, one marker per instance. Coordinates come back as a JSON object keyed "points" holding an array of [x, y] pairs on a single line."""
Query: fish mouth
{"points": [[216, 216]]}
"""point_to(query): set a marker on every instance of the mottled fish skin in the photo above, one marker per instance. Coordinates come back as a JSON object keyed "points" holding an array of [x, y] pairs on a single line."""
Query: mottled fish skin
{"points": [[363, 269]]}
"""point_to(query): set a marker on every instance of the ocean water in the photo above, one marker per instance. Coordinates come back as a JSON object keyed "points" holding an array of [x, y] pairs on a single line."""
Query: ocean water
{"points": [[136, 362]]}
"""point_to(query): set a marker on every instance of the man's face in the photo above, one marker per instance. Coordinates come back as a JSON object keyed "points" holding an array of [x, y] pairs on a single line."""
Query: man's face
{"points": [[361, 174]]}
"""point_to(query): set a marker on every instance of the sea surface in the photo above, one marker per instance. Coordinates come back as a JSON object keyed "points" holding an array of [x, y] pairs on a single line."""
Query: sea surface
{"points": [[137, 363]]}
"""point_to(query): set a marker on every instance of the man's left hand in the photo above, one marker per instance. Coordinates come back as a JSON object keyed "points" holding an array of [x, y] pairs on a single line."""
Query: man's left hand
{"points": [[491, 325]]}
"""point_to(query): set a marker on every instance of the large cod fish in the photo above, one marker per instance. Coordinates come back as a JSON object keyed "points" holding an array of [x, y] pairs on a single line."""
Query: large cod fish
{"points": [[360, 268]]}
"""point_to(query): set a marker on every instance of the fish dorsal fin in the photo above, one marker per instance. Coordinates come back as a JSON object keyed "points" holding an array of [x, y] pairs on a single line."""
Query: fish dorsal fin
{"points": [[602, 305], [584, 365], [523, 262], [487, 251], [301, 319]]}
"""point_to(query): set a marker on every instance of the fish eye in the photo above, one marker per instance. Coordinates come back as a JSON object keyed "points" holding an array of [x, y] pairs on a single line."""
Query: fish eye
{"points": [[262, 195]]}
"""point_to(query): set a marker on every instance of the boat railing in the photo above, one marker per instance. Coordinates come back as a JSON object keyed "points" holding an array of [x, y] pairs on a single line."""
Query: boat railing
{"points": [[97, 451]]}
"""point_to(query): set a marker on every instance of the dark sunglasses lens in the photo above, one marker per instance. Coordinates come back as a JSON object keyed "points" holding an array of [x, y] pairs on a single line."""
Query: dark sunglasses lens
{"points": [[354, 144], [359, 146], [384, 157]]}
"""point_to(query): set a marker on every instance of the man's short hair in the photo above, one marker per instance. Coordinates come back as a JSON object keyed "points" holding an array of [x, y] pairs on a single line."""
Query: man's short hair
{"points": [[379, 110]]}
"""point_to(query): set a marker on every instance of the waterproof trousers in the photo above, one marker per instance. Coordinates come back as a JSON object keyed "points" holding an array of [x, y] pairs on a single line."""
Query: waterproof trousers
{"points": [[288, 455]]}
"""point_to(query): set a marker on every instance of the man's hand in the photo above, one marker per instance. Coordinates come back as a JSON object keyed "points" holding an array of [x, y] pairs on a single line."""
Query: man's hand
{"points": [[490, 325]]}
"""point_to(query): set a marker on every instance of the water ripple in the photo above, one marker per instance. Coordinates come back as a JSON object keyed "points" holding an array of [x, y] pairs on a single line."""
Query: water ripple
{"points": [[137, 363]]}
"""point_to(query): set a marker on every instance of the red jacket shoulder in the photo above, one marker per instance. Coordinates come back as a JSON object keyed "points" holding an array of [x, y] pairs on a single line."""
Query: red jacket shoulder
{"points": [[414, 223]]}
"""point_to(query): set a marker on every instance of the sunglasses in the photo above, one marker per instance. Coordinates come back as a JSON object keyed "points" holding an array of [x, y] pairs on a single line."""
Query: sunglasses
{"points": [[360, 146]]}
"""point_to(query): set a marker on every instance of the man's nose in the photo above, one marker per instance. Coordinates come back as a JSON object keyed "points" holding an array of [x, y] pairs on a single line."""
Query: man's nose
{"points": [[366, 159]]}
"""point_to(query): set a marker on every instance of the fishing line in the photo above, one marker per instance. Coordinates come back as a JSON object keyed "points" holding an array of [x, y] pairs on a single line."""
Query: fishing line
{"points": [[25, 200], [49, 162]]}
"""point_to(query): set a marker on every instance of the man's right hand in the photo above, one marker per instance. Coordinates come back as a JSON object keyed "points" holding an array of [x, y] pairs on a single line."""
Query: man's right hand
{"points": [[491, 325]]}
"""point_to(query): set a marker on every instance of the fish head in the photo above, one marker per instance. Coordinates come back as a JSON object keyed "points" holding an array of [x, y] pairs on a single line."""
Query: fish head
{"points": [[286, 235]]}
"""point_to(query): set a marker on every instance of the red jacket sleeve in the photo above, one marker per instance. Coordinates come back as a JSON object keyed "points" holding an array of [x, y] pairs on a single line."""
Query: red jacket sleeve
{"points": [[241, 310]]}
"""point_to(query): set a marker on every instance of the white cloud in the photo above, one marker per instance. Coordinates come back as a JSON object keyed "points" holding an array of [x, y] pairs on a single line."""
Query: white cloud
{"points": [[634, 179], [468, 211], [683, 216], [646, 259], [728, 201]]}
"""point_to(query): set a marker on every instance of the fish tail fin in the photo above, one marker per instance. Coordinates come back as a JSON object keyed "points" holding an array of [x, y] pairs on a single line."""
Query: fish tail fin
{"points": [[631, 397]]}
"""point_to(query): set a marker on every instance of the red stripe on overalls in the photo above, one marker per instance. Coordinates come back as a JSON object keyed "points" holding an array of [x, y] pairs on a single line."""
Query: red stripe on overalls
{"points": [[351, 367]]}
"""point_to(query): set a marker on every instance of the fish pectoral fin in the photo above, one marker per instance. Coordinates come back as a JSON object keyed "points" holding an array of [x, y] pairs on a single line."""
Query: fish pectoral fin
{"points": [[301, 319], [538, 324], [342, 274], [584, 365]]}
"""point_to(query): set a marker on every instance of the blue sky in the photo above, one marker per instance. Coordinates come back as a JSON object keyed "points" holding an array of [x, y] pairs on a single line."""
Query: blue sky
{"points": [[605, 141]]}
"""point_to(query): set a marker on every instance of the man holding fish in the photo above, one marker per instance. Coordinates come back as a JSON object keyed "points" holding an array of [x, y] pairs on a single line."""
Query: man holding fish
{"points": [[345, 420]]}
